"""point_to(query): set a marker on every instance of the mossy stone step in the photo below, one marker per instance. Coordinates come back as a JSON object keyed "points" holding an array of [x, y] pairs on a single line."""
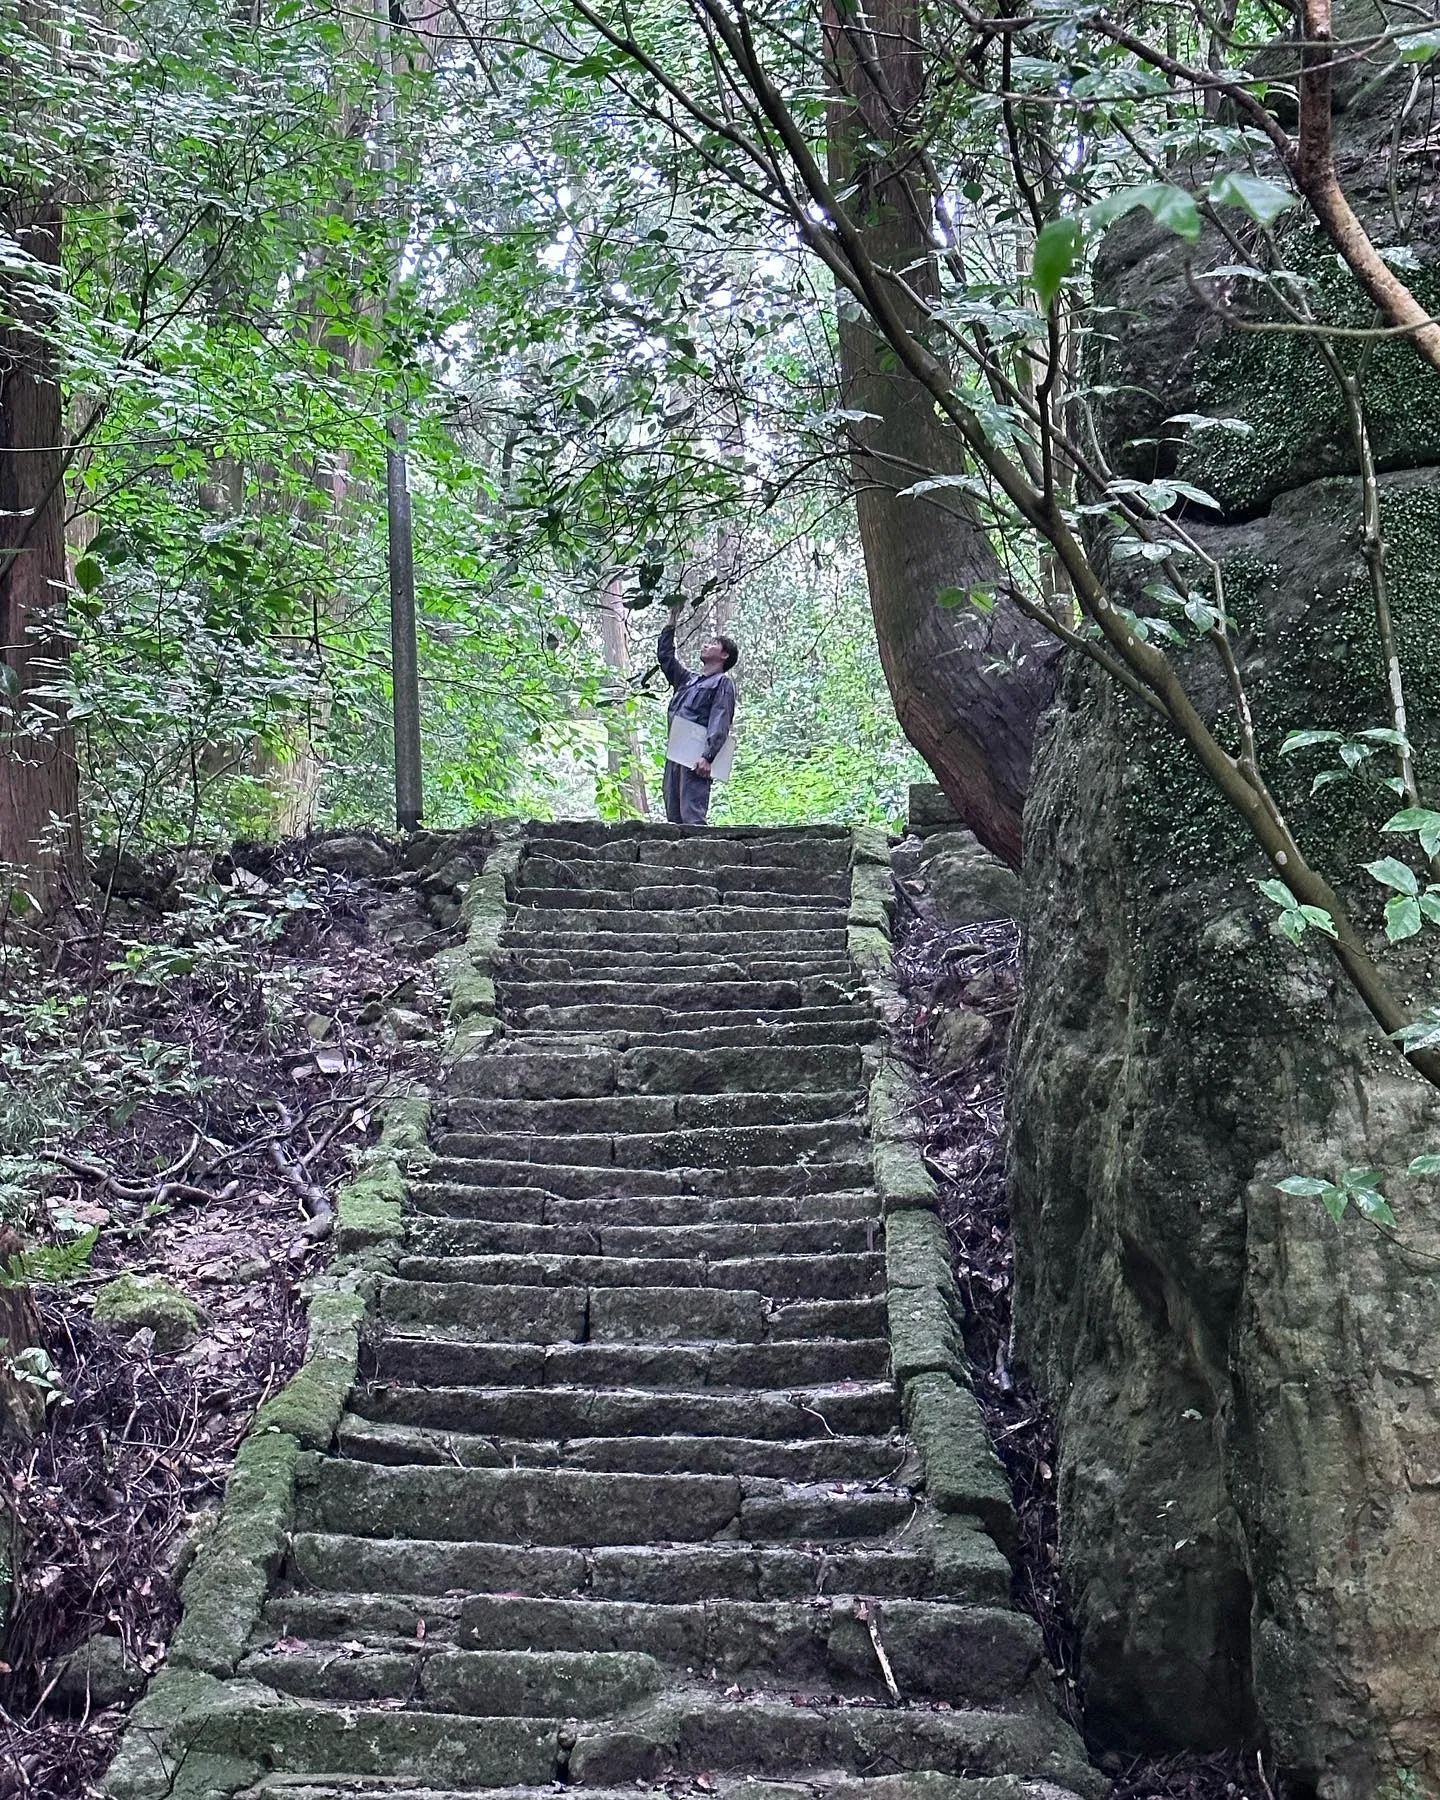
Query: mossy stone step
{"points": [[712, 1147], [447, 1360], [437, 1236], [778, 1031], [785, 1415], [536, 1206], [727, 879], [639, 938], [569, 1507], [612, 1114], [817, 1785], [569, 912], [772, 1736], [628, 1016], [811, 1276], [531, 1313], [511, 1682], [702, 995], [807, 1460], [680, 895], [670, 843], [946, 1562], [581, 1181], [939, 1650], [677, 965], [538, 1074]]}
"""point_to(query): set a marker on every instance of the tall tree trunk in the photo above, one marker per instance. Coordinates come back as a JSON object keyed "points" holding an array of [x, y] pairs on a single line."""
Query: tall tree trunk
{"points": [[39, 782], [968, 686], [624, 751]]}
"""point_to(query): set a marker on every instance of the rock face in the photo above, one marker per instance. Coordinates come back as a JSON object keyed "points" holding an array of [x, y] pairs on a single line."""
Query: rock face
{"points": [[1246, 1392]]}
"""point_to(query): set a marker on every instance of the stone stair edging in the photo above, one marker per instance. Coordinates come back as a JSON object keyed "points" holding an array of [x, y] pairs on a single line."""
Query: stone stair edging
{"points": [[923, 1303], [222, 1596]]}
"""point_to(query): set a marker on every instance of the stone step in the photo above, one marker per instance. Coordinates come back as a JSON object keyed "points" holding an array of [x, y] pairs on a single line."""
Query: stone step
{"points": [[704, 1146], [530, 1313], [689, 1729], [567, 1507], [679, 894], [630, 1017], [433, 1358], [536, 1206], [937, 1558], [839, 1278], [531, 1073], [487, 1237], [702, 995], [770, 1736], [856, 1409], [669, 843], [777, 1032], [667, 965], [808, 1460], [505, 1683], [614, 1113], [579, 1181], [725, 880], [927, 1784], [585, 1657], [563, 912], [641, 940]]}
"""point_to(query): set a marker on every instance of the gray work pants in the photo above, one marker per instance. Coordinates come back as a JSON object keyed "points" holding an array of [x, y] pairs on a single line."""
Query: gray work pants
{"points": [[687, 795]]}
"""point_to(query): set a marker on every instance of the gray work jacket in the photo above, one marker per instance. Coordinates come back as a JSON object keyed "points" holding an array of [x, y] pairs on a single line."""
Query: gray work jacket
{"points": [[708, 700]]}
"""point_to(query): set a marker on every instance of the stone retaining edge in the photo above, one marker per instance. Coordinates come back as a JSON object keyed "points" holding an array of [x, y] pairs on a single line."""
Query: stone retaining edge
{"points": [[926, 1312], [222, 1596]]}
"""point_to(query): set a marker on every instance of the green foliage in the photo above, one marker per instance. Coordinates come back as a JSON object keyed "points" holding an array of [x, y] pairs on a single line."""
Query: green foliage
{"points": [[46, 1264]]}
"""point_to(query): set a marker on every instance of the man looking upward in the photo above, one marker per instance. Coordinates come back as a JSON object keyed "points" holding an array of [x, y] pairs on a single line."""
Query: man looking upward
{"points": [[707, 700]]}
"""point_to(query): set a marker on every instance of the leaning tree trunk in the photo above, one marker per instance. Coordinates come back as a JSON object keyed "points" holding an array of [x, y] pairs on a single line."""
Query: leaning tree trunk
{"points": [[39, 798], [967, 686]]}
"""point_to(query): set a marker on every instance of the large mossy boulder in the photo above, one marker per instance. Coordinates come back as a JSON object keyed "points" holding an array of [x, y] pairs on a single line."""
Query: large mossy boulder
{"points": [[1246, 1391], [132, 1303]]}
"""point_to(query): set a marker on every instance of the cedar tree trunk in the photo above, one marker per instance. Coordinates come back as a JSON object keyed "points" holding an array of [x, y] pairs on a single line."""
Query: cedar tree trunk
{"points": [[967, 686], [39, 785]]}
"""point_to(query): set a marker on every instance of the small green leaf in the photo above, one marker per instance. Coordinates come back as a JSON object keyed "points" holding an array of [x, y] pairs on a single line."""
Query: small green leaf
{"points": [[1166, 205], [1334, 1200], [1305, 1184], [1057, 250], [1429, 1164], [1375, 1206], [1430, 905], [89, 573], [1362, 1178], [1320, 919], [1419, 819], [1402, 917], [1263, 200], [1290, 925], [1390, 872], [1280, 894], [1303, 740]]}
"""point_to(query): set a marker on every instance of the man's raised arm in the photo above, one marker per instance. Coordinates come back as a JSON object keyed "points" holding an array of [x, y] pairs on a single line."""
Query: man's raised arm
{"points": [[674, 670]]}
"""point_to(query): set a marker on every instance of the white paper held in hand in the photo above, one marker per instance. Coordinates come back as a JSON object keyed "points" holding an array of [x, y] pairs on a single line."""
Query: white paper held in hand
{"points": [[687, 745]]}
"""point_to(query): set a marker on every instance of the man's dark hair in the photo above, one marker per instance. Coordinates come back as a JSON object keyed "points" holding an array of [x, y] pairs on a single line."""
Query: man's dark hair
{"points": [[731, 649]]}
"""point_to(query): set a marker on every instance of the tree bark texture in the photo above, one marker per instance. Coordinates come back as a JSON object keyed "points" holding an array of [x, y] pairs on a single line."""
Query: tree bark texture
{"points": [[968, 686], [39, 784]]}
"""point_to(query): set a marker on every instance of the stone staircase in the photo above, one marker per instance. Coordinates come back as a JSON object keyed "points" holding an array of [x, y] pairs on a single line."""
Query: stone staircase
{"points": [[623, 1497]]}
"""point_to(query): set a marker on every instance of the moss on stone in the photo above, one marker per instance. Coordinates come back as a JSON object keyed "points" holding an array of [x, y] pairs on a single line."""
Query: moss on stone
{"points": [[132, 1303], [310, 1405], [225, 1590], [368, 1210]]}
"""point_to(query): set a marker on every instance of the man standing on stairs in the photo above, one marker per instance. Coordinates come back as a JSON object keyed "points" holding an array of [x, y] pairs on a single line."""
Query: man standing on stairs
{"points": [[706, 700]]}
